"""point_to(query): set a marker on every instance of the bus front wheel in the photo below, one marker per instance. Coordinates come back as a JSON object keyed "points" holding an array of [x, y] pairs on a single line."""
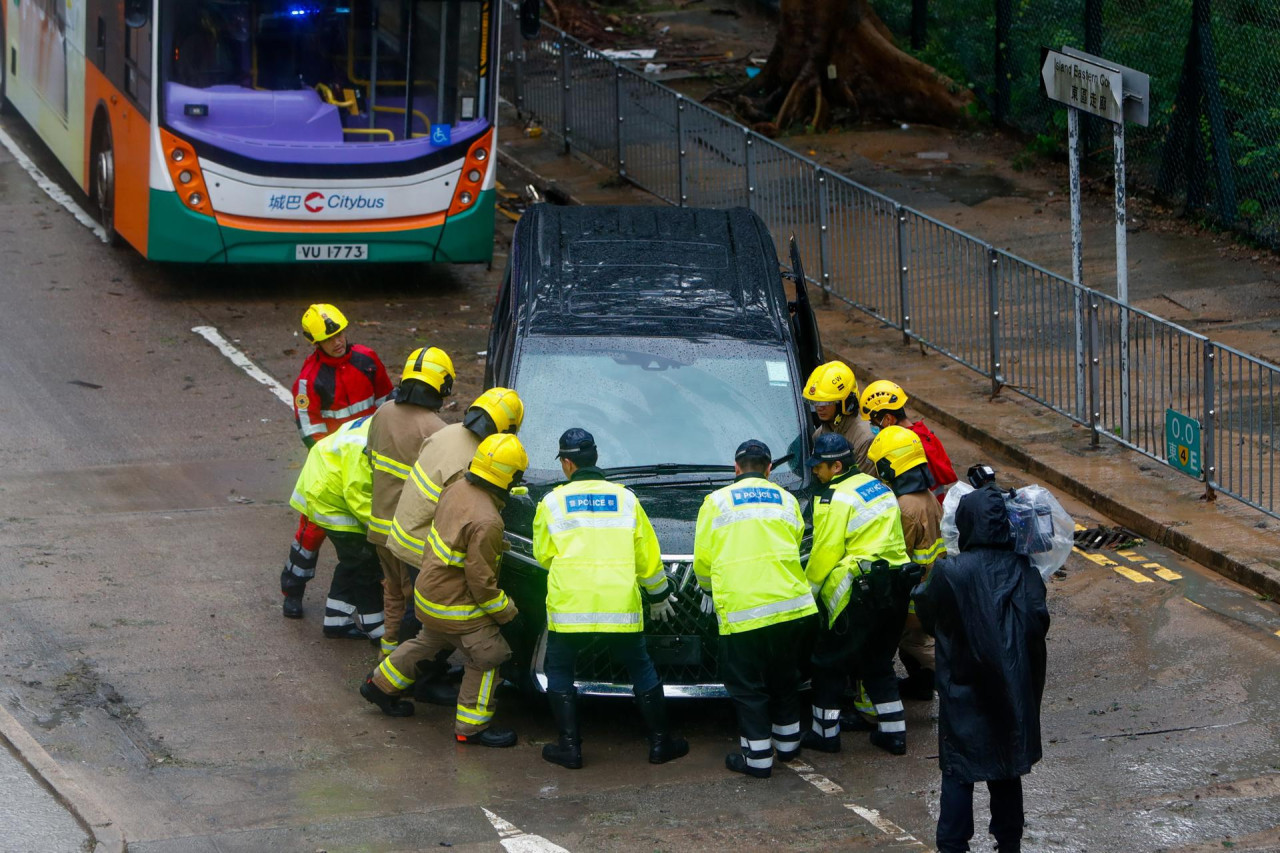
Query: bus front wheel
{"points": [[103, 163]]}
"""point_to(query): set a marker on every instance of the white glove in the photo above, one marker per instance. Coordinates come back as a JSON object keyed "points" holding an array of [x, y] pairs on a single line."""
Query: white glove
{"points": [[708, 604], [661, 611]]}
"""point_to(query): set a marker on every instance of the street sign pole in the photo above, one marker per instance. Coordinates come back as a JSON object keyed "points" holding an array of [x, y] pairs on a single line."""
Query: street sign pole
{"points": [[1077, 251], [1122, 275]]}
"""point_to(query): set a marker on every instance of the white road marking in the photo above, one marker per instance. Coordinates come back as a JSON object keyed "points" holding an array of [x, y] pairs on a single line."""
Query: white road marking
{"points": [[871, 816], [240, 360], [516, 840], [51, 189]]}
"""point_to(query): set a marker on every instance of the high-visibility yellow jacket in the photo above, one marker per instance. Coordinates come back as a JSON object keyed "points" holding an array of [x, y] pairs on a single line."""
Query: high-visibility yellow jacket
{"points": [[444, 458], [855, 522], [746, 553], [595, 541], [335, 487]]}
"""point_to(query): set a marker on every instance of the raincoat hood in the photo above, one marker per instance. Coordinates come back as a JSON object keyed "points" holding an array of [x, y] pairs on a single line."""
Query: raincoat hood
{"points": [[982, 520]]}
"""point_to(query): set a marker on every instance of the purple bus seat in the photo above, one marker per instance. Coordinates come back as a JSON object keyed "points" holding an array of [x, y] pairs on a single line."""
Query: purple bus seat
{"points": [[299, 115]]}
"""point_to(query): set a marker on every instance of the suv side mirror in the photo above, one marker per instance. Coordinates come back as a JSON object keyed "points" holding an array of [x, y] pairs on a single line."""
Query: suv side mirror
{"points": [[137, 13], [530, 18]]}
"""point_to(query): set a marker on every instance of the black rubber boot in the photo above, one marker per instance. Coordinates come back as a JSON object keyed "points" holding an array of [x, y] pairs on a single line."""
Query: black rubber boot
{"points": [[813, 740], [852, 721], [344, 632], [894, 743], [292, 607], [390, 705], [436, 692], [663, 745], [567, 752], [737, 762], [497, 738]]}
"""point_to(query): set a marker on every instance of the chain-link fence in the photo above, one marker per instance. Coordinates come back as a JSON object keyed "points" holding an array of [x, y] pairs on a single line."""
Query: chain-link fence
{"points": [[1213, 143], [1105, 365]]}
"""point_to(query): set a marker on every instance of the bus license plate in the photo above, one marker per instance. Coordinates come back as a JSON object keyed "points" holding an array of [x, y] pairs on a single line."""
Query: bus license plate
{"points": [[331, 252]]}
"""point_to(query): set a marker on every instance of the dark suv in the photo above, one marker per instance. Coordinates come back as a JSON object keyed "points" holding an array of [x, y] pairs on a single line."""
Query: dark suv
{"points": [[667, 333]]}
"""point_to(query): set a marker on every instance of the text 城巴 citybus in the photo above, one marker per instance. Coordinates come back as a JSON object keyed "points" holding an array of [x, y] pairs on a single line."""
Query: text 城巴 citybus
{"points": [[268, 131]]}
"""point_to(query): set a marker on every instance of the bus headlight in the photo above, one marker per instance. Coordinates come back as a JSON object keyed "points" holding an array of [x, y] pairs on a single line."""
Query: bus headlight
{"points": [[474, 176], [465, 198], [178, 155], [184, 176], [480, 154], [195, 199]]}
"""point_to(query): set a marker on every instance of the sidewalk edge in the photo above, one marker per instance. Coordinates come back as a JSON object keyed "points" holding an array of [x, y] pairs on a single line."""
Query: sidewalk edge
{"points": [[108, 837]]}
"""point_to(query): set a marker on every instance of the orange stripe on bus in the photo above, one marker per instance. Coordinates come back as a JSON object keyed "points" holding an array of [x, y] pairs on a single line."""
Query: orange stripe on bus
{"points": [[364, 226]]}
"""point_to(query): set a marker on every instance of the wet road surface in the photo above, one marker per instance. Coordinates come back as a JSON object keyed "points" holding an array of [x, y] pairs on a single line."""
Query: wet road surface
{"points": [[144, 523], [31, 818]]}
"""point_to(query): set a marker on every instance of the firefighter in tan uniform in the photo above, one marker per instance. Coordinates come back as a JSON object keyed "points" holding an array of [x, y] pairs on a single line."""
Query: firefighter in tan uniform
{"points": [[396, 433], [442, 460], [900, 460], [457, 597], [832, 392]]}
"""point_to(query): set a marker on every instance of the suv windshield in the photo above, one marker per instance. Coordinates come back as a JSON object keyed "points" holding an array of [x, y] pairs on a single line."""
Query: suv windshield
{"points": [[319, 71], [650, 401]]}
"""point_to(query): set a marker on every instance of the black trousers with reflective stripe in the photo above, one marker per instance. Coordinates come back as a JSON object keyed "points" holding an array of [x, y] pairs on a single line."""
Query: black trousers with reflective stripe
{"points": [[761, 671], [357, 579], [860, 646]]}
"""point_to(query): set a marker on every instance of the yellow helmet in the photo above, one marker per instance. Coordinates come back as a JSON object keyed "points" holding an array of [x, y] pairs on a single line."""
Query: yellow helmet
{"points": [[431, 365], [882, 396], [321, 322], [896, 450], [832, 382], [501, 460], [504, 406]]}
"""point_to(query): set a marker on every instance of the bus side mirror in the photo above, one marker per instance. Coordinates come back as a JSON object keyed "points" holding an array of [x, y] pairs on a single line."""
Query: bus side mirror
{"points": [[136, 13], [530, 18]]}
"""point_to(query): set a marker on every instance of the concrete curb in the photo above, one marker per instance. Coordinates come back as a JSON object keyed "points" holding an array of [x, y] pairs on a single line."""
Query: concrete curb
{"points": [[1257, 577], [108, 837]]}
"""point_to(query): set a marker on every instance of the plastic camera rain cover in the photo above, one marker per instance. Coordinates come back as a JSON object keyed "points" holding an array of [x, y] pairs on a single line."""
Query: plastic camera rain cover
{"points": [[1039, 526]]}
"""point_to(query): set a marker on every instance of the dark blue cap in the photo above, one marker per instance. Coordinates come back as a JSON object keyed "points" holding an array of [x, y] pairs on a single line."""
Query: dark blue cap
{"points": [[753, 449], [830, 447], [575, 441]]}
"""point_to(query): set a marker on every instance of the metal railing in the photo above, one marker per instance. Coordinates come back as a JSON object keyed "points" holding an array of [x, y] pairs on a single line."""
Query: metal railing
{"points": [[1107, 366]]}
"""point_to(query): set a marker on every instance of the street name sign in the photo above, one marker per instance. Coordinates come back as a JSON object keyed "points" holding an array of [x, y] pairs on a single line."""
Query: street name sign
{"points": [[1091, 88]]}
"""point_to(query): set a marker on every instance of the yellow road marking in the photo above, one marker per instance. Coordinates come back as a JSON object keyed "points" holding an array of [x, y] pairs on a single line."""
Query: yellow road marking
{"points": [[1162, 572], [1098, 558], [1136, 577], [1194, 604], [1131, 557], [1278, 633], [1080, 526]]}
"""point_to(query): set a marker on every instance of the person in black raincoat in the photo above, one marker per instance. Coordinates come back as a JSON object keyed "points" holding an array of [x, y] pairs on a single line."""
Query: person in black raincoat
{"points": [[986, 607]]}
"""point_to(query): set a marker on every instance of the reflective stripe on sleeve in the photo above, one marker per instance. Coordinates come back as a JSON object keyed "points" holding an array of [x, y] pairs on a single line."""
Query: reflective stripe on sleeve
{"points": [[420, 479], [928, 555], [497, 605], [655, 583], [387, 465], [379, 525], [411, 543], [770, 609], [443, 551]]}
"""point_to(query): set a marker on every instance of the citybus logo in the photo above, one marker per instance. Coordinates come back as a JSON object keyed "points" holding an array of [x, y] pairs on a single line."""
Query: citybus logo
{"points": [[317, 202]]}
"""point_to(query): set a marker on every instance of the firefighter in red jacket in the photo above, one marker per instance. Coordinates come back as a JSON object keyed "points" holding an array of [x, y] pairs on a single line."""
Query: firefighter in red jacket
{"points": [[883, 403], [339, 382]]}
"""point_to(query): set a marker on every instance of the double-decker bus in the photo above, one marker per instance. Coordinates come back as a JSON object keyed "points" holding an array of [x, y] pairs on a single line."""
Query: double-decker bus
{"points": [[252, 131]]}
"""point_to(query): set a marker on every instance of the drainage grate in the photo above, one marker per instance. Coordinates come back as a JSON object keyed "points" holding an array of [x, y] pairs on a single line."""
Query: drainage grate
{"points": [[1106, 538]]}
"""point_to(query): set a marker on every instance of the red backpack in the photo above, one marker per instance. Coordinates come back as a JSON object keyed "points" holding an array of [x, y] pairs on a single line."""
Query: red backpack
{"points": [[939, 462]]}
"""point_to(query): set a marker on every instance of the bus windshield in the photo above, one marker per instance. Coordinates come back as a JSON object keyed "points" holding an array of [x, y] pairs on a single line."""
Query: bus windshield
{"points": [[318, 72]]}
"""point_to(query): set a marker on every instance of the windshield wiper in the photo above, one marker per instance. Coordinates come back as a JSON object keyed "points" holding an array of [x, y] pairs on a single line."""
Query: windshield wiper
{"points": [[664, 468]]}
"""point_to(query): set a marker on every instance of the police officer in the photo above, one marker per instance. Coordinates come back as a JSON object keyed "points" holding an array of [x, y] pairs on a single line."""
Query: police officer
{"points": [[746, 556], [832, 392], [457, 596], [856, 568], [334, 490], [900, 460], [396, 433], [596, 542]]}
